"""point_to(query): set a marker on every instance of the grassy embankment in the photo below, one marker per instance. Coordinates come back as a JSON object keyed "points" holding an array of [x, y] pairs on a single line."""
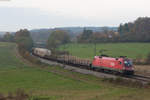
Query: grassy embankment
{"points": [[131, 50], [57, 83]]}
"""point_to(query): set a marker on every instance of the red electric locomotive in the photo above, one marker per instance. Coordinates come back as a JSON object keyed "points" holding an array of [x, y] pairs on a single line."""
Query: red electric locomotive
{"points": [[121, 64]]}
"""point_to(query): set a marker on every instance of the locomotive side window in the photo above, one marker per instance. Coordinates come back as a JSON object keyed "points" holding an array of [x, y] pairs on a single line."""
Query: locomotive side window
{"points": [[120, 62]]}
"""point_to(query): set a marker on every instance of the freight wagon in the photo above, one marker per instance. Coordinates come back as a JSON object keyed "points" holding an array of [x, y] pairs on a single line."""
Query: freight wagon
{"points": [[41, 52]]}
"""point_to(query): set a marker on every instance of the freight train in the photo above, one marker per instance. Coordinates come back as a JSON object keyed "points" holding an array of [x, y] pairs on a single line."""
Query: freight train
{"points": [[121, 64]]}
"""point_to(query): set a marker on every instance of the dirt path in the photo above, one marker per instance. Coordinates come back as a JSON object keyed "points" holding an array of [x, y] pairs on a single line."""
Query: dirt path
{"points": [[142, 69], [23, 60]]}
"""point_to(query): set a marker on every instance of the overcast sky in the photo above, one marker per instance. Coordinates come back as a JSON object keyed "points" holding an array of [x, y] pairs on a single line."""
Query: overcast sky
{"points": [[32, 14]]}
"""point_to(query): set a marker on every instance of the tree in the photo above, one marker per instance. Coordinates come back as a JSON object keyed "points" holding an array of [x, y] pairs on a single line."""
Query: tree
{"points": [[137, 31], [85, 37], [1, 38], [148, 59], [8, 37], [23, 39], [57, 38]]}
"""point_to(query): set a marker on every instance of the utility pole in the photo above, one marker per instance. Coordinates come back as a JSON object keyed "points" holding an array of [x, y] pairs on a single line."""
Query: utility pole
{"points": [[94, 48]]}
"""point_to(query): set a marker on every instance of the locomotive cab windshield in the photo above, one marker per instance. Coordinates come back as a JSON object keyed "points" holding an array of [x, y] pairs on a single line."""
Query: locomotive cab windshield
{"points": [[128, 63]]}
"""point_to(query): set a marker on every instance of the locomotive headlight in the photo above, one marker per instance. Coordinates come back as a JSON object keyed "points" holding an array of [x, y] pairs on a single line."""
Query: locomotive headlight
{"points": [[123, 68]]}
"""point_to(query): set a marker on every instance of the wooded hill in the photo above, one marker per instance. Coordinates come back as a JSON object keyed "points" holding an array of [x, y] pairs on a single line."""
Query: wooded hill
{"points": [[41, 35]]}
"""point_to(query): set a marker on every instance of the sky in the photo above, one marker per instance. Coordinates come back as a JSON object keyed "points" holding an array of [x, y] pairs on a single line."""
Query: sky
{"points": [[34, 14]]}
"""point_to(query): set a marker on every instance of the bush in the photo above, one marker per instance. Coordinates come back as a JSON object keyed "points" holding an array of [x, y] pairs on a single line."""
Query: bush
{"points": [[138, 60], [148, 59], [18, 95]]}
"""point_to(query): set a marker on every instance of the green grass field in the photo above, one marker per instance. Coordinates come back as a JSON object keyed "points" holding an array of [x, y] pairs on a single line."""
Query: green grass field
{"points": [[131, 50], [65, 85]]}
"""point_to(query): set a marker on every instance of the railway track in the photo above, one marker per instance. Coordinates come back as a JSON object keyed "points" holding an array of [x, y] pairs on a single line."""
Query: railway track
{"points": [[138, 78], [141, 78]]}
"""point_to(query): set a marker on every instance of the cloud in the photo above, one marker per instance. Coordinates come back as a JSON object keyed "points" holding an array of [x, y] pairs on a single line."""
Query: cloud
{"points": [[52, 13], [13, 19], [85, 8]]}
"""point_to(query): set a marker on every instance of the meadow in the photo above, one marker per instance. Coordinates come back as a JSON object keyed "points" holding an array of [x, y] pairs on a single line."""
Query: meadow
{"points": [[56, 83], [131, 50]]}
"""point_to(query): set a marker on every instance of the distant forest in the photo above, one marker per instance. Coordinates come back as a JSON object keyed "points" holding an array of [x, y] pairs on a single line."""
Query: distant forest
{"points": [[41, 35], [136, 31]]}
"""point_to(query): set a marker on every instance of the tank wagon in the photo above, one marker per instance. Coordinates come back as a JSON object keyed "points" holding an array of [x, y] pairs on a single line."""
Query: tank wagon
{"points": [[103, 63], [41, 52]]}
